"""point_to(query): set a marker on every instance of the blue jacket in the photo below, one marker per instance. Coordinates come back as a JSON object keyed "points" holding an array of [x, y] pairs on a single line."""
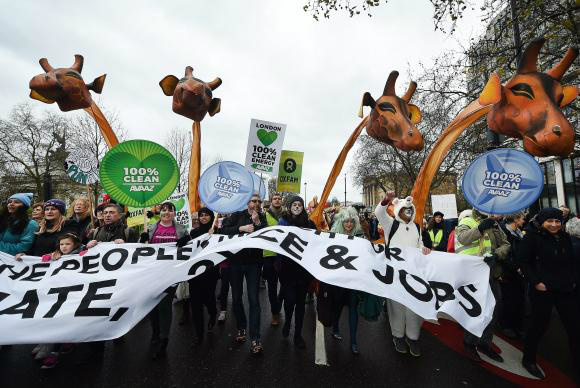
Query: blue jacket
{"points": [[14, 244]]}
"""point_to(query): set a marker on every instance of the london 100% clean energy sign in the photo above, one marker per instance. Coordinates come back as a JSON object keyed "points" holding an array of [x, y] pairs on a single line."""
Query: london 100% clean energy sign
{"points": [[139, 173]]}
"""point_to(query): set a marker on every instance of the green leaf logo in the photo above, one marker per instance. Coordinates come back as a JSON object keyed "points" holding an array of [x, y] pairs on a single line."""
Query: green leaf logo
{"points": [[139, 173], [267, 137]]}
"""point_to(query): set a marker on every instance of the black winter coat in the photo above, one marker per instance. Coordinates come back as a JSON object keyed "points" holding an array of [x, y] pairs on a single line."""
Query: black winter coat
{"points": [[45, 243], [545, 258], [231, 226]]}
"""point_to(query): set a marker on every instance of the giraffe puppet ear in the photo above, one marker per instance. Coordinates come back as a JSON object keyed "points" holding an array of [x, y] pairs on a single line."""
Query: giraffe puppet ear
{"points": [[367, 100], [570, 94]]}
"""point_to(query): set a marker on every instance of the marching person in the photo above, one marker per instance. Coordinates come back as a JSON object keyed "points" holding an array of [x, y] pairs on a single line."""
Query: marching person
{"points": [[481, 235], [165, 230], [402, 231], [37, 213], [80, 219], [294, 278], [113, 229], [17, 231], [547, 260], [346, 221], [202, 287], [269, 271], [246, 264], [513, 286], [436, 231]]}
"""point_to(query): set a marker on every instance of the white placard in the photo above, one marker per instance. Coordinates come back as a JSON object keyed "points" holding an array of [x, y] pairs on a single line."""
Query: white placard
{"points": [[265, 146], [446, 204]]}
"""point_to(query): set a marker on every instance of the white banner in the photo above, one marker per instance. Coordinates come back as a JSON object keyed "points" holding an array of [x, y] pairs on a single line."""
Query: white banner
{"points": [[104, 293], [265, 146]]}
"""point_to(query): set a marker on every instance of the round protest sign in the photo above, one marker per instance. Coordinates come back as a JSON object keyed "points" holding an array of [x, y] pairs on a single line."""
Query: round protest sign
{"points": [[259, 186], [139, 173], [82, 167], [226, 187], [503, 181]]}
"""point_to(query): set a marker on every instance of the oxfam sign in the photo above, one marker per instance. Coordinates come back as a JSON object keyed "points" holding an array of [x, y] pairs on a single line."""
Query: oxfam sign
{"points": [[503, 181], [139, 173]]}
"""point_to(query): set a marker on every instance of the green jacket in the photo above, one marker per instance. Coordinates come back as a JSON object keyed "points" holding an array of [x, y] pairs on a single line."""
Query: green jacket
{"points": [[467, 233]]}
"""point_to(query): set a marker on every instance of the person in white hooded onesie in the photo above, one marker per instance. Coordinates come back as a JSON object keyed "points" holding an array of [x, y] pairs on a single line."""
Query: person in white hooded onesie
{"points": [[401, 231]]}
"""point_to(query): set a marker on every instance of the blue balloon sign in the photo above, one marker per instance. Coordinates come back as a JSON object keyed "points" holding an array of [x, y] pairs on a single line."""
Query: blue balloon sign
{"points": [[226, 187], [503, 181]]}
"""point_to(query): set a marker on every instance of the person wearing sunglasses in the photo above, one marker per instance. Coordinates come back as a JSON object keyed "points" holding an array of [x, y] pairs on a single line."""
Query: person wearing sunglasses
{"points": [[246, 263]]}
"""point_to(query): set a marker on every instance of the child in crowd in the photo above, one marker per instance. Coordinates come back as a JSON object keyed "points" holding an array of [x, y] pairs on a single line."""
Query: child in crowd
{"points": [[68, 244]]}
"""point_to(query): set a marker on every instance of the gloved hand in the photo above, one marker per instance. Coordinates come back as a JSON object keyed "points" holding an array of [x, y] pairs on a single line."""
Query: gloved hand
{"points": [[488, 223], [490, 259], [144, 237], [183, 241]]}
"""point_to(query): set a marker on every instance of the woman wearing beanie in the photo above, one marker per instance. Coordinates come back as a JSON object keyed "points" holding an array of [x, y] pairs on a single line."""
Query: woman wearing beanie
{"points": [[293, 278], [546, 258], [202, 287], [52, 226], [436, 231], [347, 222], [17, 231], [165, 230]]}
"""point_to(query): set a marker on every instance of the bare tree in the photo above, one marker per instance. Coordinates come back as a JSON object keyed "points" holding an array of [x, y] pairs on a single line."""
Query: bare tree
{"points": [[31, 148], [178, 142]]}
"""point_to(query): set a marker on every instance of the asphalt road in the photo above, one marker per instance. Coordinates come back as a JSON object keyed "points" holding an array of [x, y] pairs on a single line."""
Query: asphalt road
{"points": [[219, 362]]}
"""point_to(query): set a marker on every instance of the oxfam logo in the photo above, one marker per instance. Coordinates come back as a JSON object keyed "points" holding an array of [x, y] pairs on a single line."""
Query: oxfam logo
{"points": [[290, 165]]}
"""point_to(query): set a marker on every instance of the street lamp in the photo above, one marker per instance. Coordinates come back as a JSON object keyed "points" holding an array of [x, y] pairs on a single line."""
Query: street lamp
{"points": [[305, 196]]}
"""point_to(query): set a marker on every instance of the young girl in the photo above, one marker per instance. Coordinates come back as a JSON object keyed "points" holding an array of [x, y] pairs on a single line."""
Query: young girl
{"points": [[68, 244]]}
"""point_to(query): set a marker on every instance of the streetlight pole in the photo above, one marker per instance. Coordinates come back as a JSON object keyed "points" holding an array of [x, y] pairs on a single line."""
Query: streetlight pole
{"points": [[305, 196], [345, 189]]}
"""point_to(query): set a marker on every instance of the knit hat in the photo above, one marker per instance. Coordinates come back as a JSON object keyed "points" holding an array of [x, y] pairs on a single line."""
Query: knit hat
{"points": [[548, 213], [57, 203], [25, 198], [296, 198], [437, 214]]}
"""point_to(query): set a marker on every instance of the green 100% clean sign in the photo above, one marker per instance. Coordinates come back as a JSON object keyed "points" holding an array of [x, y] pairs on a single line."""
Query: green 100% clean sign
{"points": [[139, 173]]}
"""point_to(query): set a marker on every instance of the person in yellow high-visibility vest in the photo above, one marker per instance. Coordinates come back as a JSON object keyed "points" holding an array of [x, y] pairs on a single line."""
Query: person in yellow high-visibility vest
{"points": [[480, 235], [437, 233], [269, 272]]}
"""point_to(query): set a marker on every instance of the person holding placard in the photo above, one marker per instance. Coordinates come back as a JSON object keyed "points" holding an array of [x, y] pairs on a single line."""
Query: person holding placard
{"points": [[269, 272], [246, 264]]}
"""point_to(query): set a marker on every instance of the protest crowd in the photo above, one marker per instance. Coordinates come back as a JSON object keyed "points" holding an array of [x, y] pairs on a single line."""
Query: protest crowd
{"points": [[533, 260]]}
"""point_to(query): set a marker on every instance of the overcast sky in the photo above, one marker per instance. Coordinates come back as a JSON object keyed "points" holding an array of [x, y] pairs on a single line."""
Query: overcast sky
{"points": [[276, 62]]}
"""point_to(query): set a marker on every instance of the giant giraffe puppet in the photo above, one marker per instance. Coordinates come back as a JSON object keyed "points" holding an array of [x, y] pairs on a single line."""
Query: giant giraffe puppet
{"points": [[66, 87], [392, 121], [526, 107], [193, 99]]}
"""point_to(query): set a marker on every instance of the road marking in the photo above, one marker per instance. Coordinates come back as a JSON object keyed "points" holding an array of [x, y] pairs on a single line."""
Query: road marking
{"points": [[320, 346]]}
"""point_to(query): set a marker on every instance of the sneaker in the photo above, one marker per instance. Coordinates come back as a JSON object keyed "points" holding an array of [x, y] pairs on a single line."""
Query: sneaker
{"points": [[471, 352], [414, 347], [489, 352], [534, 370], [43, 352], [299, 342], [221, 317], [400, 345], [275, 319], [354, 349], [241, 337], [337, 336], [50, 361], [256, 347], [36, 349]]}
